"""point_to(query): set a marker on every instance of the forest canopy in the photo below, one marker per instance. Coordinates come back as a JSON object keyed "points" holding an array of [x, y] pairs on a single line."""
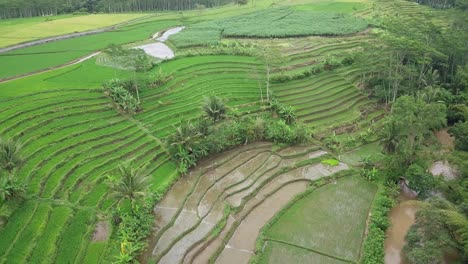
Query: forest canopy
{"points": [[30, 8]]}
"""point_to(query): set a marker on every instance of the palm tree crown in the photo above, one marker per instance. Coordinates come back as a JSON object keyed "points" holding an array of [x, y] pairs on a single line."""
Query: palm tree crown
{"points": [[214, 107], [132, 183], [10, 155]]}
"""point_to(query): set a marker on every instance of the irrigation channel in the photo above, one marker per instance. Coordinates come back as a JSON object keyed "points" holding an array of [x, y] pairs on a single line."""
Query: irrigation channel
{"points": [[193, 221], [160, 50]]}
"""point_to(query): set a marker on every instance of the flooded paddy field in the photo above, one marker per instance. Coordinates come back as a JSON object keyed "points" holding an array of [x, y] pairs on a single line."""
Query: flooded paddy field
{"points": [[216, 212]]}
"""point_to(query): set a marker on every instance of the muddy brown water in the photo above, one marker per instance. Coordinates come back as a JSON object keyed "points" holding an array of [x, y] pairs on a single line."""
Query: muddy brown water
{"points": [[402, 217]]}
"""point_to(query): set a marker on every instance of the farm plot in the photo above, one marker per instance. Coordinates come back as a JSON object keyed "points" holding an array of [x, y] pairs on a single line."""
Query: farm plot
{"points": [[56, 53], [196, 218], [71, 140], [323, 100], [275, 22], [18, 30], [235, 78], [327, 224]]}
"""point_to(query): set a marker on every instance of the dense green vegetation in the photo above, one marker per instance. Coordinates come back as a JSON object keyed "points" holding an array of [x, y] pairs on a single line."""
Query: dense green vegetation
{"points": [[24, 8]]}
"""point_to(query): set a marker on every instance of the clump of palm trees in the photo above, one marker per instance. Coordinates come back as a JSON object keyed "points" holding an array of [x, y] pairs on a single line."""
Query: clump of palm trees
{"points": [[10, 161], [193, 141]]}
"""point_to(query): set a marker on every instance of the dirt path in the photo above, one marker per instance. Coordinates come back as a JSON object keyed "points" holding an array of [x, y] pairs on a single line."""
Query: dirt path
{"points": [[255, 179]]}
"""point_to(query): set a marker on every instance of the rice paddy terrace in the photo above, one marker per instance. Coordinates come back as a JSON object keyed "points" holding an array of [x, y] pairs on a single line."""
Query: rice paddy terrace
{"points": [[73, 138], [255, 182]]}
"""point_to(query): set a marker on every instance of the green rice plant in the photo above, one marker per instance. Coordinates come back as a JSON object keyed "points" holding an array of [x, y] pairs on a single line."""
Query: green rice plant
{"points": [[45, 247], [330, 162], [31, 234], [73, 235], [332, 218], [94, 252], [17, 222], [274, 22], [197, 36]]}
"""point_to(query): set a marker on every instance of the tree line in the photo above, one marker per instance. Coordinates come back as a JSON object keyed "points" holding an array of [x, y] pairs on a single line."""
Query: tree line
{"points": [[444, 4], [32, 8]]}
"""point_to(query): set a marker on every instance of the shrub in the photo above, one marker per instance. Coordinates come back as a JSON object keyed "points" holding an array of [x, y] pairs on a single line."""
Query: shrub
{"points": [[280, 132], [420, 180], [10, 187], [460, 132], [191, 142], [133, 228], [124, 99], [374, 251]]}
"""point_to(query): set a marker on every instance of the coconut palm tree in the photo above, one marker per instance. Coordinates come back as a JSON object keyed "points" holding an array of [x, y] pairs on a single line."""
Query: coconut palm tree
{"points": [[10, 157], [214, 108], [130, 183], [390, 136]]}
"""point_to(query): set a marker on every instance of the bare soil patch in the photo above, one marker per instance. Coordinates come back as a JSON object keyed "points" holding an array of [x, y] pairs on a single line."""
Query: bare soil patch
{"points": [[102, 231]]}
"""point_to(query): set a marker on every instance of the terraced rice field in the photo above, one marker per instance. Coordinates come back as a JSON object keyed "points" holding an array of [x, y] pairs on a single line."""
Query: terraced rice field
{"points": [[236, 78], [256, 181], [60, 52], [298, 54], [325, 226], [13, 31], [71, 139], [323, 100]]}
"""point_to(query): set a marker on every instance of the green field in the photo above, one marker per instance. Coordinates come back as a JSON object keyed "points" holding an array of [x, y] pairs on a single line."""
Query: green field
{"points": [[275, 22], [14, 31], [330, 221], [72, 138]]}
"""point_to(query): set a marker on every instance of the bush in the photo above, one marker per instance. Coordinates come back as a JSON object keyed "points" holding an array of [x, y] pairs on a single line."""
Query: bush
{"points": [[374, 251], [124, 99], [123, 94], [420, 180], [192, 142], [134, 226], [280, 132], [460, 132]]}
